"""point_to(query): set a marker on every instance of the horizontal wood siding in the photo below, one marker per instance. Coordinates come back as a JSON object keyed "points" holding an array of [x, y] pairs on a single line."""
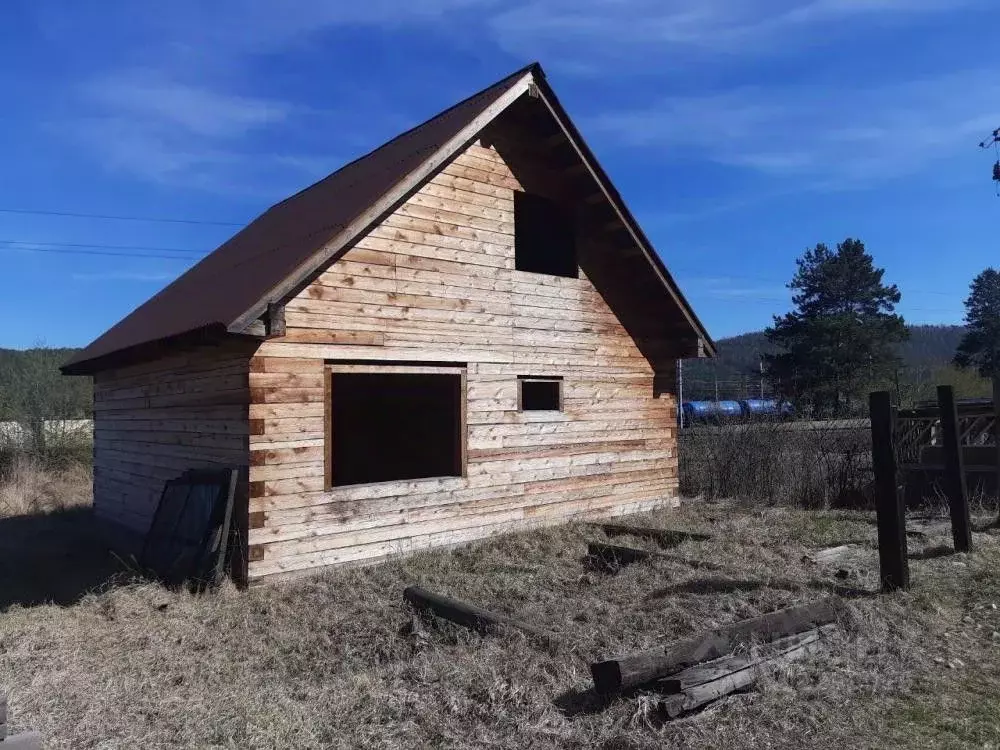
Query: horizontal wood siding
{"points": [[435, 282], [154, 420]]}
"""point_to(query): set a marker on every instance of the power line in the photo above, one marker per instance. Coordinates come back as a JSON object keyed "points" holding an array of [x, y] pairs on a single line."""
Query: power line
{"points": [[29, 245], [116, 217], [77, 251]]}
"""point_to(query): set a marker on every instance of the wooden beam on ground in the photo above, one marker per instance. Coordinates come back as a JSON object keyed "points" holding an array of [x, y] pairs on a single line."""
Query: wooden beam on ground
{"points": [[954, 470], [668, 537], [696, 686], [895, 570], [469, 615], [626, 672], [614, 556]]}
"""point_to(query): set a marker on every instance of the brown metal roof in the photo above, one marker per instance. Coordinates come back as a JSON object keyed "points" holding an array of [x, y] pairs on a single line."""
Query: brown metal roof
{"points": [[231, 287], [223, 286]]}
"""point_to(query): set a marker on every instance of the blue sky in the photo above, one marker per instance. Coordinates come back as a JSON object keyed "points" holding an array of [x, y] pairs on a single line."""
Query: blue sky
{"points": [[740, 132]]}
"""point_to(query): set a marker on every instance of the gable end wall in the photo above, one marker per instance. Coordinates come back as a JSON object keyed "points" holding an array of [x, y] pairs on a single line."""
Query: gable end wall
{"points": [[435, 282]]}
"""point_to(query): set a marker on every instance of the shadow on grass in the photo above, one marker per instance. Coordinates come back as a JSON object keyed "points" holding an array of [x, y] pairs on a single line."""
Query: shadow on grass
{"points": [[728, 585], [576, 702], [55, 558], [598, 564]]}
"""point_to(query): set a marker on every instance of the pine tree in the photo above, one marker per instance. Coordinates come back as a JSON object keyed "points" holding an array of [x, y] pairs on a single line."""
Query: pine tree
{"points": [[980, 346], [843, 333]]}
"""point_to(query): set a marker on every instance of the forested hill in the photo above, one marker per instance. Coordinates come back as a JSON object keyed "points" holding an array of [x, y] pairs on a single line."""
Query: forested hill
{"points": [[928, 348], [30, 382], [30, 379]]}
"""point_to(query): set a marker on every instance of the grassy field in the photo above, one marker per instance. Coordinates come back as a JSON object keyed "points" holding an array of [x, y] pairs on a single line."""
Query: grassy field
{"points": [[337, 659]]}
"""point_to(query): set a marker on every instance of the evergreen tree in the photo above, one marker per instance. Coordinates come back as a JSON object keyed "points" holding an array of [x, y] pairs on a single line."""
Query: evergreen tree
{"points": [[980, 346], [842, 336]]}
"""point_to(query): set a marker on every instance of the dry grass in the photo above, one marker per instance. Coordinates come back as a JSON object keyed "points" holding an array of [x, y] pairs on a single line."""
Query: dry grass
{"points": [[26, 488], [322, 662]]}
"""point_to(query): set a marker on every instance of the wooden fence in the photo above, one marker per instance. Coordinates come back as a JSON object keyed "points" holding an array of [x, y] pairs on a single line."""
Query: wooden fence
{"points": [[918, 436]]}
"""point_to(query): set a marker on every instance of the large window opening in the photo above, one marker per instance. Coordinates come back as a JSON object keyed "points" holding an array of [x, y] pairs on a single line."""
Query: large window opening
{"points": [[393, 426], [544, 238]]}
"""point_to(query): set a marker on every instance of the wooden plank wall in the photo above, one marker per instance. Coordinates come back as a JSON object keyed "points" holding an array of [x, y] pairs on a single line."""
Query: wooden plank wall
{"points": [[436, 282], [156, 419]]}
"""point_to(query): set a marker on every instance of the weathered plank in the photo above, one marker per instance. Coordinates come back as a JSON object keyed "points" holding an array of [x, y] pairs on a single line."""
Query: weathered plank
{"points": [[702, 684], [625, 672]]}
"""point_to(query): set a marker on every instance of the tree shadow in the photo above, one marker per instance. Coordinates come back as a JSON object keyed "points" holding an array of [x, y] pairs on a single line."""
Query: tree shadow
{"points": [[56, 558], [728, 585]]}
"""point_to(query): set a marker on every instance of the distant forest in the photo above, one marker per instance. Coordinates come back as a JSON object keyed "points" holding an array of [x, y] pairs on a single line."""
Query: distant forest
{"points": [[926, 357], [30, 378], [31, 384]]}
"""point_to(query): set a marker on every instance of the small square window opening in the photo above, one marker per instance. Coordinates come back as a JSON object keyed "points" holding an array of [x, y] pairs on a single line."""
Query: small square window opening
{"points": [[540, 394]]}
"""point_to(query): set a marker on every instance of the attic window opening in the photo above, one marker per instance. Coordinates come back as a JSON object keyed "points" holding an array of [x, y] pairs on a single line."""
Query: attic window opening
{"points": [[539, 394], [544, 237], [384, 427]]}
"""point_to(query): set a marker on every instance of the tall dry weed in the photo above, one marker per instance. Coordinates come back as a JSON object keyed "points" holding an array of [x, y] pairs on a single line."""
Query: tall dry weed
{"points": [[27, 487]]}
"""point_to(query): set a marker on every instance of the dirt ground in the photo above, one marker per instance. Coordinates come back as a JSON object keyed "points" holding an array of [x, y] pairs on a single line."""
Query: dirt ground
{"points": [[338, 660]]}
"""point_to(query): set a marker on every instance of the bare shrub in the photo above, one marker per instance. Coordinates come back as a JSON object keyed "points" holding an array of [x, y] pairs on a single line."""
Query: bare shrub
{"points": [[813, 464]]}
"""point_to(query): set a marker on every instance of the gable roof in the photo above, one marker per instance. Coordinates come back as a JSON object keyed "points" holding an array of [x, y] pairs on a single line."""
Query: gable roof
{"points": [[230, 288]]}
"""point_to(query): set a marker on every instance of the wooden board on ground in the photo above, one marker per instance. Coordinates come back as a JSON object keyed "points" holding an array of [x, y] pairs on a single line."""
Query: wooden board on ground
{"points": [[667, 537], [625, 672], [701, 684]]}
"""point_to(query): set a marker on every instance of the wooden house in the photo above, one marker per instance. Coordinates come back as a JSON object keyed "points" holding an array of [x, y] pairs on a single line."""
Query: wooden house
{"points": [[463, 332]]}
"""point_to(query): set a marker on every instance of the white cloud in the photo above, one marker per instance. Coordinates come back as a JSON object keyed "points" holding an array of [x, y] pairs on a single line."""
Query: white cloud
{"points": [[736, 289], [144, 124], [195, 110], [630, 30], [154, 276], [832, 136]]}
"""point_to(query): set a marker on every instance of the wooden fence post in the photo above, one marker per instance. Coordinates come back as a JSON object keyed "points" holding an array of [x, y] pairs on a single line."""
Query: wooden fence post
{"points": [[954, 470], [893, 563]]}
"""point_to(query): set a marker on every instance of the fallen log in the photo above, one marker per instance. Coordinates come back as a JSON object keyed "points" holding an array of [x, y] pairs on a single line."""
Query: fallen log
{"points": [[668, 537], [729, 675], [625, 672], [469, 615]]}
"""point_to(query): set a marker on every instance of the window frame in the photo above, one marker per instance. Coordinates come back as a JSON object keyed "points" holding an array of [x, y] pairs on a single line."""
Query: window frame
{"points": [[332, 368], [522, 379]]}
